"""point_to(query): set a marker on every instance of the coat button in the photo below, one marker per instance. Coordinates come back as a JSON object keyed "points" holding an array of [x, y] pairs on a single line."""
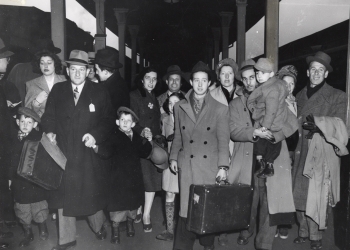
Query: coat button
{"points": [[298, 152], [205, 142], [252, 110], [248, 124], [191, 156], [299, 134], [208, 128], [205, 156], [245, 109], [191, 141], [183, 127], [247, 153]]}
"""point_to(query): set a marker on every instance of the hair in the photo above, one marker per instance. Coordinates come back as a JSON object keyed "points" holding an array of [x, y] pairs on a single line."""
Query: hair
{"points": [[110, 70], [39, 55], [18, 116], [142, 74], [126, 113], [205, 71], [166, 103]]}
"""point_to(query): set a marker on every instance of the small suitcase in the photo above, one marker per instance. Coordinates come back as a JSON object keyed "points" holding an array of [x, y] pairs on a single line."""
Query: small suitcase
{"points": [[37, 166], [218, 208]]}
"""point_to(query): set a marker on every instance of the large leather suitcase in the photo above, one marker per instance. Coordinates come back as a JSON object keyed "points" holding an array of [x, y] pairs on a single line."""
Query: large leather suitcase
{"points": [[218, 208], [38, 166]]}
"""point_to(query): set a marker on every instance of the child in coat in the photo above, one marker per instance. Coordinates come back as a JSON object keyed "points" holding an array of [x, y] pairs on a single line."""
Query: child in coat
{"points": [[269, 112], [30, 199], [125, 148]]}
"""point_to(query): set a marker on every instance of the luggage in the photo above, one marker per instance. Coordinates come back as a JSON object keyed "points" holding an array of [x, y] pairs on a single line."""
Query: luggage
{"points": [[38, 166], [218, 208]]}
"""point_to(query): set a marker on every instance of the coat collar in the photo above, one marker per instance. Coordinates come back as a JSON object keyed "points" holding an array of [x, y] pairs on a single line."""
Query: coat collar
{"points": [[186, 106]]}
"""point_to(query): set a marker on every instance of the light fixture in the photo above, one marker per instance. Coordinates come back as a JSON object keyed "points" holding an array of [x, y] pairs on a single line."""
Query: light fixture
{"points": [[171, 1]]}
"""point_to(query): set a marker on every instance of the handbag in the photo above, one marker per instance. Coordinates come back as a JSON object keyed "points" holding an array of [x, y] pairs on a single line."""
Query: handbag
{"points": [[218, 208]]}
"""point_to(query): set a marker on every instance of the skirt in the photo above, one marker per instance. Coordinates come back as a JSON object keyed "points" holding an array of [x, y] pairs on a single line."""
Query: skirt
{"points": [[170, 181], [152, 178]]}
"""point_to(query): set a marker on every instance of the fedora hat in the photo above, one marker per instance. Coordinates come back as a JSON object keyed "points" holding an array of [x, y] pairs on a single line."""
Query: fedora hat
{"points": [[172, 70], [125, 109], [227, 62], [159, 155], [108, 57], [78, 57], [45, 44], [4, 52], [322, 58], [200, 67]]}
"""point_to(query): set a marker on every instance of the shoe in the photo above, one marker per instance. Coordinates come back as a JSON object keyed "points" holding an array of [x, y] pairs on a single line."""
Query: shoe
{"points": [[147, 228], [28, 236], [11, 224], [102, 234], [138, 216], [222, 240], [300, 240], [260, 165], [165, 235], [6, 235], [130, 231], [268, 171], [43, 232], [316, 244], [115, 239], [283, 233], [241, 240], [209, 247], [4, 245], [65, 246]]}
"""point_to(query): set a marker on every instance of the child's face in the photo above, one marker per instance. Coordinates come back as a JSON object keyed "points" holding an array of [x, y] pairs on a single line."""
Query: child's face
{"points": [[26, 124], [172, 101], [125, 122], [263, 77]]}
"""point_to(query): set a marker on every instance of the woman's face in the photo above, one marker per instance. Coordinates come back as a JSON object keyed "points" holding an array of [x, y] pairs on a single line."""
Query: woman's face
{"points": [[149, 81], [290, 83], [172, 101], [47, 65], [227, 76]]}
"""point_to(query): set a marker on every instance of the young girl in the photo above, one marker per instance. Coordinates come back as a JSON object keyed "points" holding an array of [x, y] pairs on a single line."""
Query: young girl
{"points": [[170, 183]]}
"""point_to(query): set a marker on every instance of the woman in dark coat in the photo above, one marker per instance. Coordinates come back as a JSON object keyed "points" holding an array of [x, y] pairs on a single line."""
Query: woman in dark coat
{"points": [[145, 105]]}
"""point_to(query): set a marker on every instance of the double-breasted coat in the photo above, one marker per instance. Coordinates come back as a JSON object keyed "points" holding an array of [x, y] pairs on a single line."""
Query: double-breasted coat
{"points": [[84, 187], [200, 145], [127, 188], [327, 101]]}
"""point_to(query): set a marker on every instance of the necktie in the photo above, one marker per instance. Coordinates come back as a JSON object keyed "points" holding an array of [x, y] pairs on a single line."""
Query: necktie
{"points": [[76, 95]]}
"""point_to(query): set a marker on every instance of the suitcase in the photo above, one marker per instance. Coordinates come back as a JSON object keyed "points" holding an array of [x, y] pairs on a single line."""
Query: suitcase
{"points": [[218, 208], [37, 166]]}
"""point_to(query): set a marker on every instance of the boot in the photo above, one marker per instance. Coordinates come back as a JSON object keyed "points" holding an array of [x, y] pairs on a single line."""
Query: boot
{"points": [[260, 164], [130, 231], [268, 171], [168, 235], [115, 234], [28, 236], [43, 232]]}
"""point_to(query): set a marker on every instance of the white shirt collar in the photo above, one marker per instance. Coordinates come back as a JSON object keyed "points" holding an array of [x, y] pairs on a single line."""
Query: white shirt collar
{"points": [[80, 87]]}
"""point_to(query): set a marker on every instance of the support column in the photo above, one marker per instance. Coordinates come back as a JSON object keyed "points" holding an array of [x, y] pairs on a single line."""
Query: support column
{"points": [[100, 37], [58, 26], [141, 41], [120, 14], [272, 31], [240, 48], [209, 46], [216, 34], [225, 26], [134, 30]]}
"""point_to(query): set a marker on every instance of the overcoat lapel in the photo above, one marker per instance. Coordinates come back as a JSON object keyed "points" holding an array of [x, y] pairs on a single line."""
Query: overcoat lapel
{"points": [[316, 100], [204, 110], [186, 107], [43, 85], [84, 98]]}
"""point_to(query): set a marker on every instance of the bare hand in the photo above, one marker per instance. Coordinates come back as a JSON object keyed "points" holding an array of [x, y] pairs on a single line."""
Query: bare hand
{"points": [[263, 134], [146, 132], [10, 182], [42, 96], [52, 137], [173, 166], [221, 175], [89, 140]]}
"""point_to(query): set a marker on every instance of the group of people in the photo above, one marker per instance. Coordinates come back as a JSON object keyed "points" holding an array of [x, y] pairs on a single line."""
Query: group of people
{"points": [[244, 126]]}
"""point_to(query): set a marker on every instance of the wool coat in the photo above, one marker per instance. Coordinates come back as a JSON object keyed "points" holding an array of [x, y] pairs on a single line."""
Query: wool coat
{"points": [[84, 187], [24, 191], [279, 186], [127, 188], [200, 145], [11, 94], [146, 107], [269, 109], [35, 87], [327, 101]]}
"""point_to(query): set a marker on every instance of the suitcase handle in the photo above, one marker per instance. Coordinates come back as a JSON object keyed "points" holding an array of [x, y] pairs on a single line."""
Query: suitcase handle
{"points": [[218, 181]]}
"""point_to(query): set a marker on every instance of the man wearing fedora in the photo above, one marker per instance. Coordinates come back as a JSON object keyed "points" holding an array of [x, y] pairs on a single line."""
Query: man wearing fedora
{"points": [[23, 72], [107, 65], [317, 99], [172, 78], [78, 116], [91, 66]]}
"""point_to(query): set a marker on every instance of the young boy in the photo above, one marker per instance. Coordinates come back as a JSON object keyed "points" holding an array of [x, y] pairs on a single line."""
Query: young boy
{"points": [[125, 148], [270, 112], [30, 199]]}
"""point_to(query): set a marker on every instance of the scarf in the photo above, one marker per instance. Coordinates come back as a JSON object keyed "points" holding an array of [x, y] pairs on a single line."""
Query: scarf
{"points": [[228, 94], [311, 91], [197, 104], [21, 135]]}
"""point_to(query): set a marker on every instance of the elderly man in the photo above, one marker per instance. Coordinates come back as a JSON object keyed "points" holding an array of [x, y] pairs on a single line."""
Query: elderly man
{"points": [[79, 115], [315, 100]]}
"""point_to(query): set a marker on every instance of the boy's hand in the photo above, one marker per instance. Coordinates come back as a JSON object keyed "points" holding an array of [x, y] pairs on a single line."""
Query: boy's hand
{"points": [[52, 137], [146, 132], [89, 140], [42, 96]]}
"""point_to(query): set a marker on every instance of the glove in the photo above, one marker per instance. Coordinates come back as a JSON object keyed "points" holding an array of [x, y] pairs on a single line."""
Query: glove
{"points": [[311, 126]]}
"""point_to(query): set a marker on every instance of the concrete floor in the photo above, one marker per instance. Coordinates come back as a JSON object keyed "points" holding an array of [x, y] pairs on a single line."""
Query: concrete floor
{"points": [[146, 241]]}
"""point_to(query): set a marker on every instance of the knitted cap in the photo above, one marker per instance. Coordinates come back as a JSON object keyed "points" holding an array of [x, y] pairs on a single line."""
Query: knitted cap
{"points": [[265, 65]]}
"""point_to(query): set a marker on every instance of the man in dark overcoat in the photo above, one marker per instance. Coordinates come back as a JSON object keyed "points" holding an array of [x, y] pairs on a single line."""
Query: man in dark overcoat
{"points": [[79, 115], [319, 99]]}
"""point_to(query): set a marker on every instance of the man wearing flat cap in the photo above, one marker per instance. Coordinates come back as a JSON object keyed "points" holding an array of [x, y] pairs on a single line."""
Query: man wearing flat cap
{"points": [[78, 116], [317, 99], [107, 65]]}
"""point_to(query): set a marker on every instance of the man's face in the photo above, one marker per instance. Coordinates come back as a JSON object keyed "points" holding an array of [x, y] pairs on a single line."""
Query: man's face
{"points": [[3, 66], [317, 72], [125, 122], [47, 65], [102, 74], [91, 73], [262, 76], [200, 84], [174, 83], [77, 74], [226, 76], [249, 80], [26, 124]]}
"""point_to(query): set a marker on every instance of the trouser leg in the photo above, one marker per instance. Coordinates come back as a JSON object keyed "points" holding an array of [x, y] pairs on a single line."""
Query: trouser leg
{"points": [[303, 225], [40, 211], [272, 151], [96, 220], [67, 228], [314, 233], [184, 239], [23, 213]]}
